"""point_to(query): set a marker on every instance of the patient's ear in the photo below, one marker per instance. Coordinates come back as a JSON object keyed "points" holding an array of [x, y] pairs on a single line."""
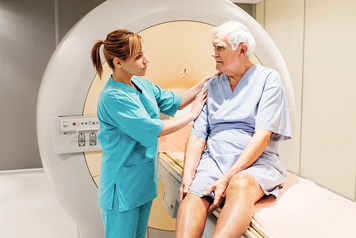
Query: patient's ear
{"points": [[243, 49]]}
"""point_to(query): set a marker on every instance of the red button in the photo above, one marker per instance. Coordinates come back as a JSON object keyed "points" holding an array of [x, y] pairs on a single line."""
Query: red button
{"points": [[74, 123]]}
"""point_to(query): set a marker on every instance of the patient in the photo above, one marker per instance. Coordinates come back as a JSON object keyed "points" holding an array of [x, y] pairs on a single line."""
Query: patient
{"points": [[232, 154]]}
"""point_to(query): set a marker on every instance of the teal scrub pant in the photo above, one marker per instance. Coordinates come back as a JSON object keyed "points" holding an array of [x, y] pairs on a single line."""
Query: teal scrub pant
{"points": [[128, 224]]}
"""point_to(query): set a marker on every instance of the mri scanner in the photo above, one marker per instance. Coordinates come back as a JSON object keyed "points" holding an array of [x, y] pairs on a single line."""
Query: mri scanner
{"points": [[178, 42]]}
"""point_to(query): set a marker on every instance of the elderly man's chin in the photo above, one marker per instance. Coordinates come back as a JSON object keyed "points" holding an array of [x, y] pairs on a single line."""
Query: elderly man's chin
{"points": [[219, 66]]}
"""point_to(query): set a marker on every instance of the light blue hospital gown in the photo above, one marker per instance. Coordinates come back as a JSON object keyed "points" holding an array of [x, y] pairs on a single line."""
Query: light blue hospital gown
{"points": [[228, 122]]}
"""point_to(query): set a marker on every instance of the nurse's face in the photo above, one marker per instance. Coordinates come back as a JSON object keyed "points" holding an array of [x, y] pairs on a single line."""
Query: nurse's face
{"points": [[137, 64], [226, 58]]}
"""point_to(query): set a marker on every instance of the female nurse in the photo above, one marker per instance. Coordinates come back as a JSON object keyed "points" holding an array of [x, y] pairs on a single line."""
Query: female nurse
{"points": [[128, 110]]}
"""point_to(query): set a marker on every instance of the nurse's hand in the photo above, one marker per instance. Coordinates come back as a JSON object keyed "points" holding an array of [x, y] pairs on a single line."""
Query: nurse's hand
{"points": [[210, 76], [219, 188], [198, 103], [184, 187]]}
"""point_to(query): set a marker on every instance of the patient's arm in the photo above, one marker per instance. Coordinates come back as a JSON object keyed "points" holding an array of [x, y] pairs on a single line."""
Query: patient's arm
{"points": [[250, 154], [194, 149]]}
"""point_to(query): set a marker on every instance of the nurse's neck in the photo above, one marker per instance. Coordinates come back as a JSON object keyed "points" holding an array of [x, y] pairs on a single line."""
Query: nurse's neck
{"points": [[123, 77]]}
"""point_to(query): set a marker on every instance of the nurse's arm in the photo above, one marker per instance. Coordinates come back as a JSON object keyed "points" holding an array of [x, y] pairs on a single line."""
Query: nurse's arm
{"points": [[175, 124], [189, 95], [249, 155], [194, 149]]}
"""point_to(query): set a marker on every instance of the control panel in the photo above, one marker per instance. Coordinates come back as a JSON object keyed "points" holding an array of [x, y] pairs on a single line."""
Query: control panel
{"points": [[75, 134]]}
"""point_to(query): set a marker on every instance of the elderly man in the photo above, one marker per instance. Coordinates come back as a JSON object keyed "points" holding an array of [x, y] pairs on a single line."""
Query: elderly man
{"points": [[232, 152]]}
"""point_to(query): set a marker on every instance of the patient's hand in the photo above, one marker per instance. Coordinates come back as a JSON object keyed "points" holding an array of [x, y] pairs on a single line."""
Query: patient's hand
{"points": [[184, 186], [219, 188]]}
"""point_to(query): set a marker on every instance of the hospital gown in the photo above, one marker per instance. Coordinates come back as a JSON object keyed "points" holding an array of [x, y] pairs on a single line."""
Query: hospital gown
{"points": [[228, 122]]}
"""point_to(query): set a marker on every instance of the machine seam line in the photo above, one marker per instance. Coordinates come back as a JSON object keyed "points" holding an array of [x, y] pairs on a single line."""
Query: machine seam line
{"points": [[302, 93], [56, 25]]}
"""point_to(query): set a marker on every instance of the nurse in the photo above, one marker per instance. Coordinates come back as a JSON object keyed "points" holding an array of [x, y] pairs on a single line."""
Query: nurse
{"points": [[128, 110]]}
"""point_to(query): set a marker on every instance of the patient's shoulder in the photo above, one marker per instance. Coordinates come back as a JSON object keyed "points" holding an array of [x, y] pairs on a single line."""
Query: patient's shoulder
{"points": [[216, 80]]}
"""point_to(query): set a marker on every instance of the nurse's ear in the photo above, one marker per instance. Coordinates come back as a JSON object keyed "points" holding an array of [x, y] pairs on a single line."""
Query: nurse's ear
{"points": [[117, 62]]}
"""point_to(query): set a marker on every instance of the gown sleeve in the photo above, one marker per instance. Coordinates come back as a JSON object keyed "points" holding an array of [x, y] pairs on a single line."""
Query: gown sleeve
{"points": [[273, 111], [201, 126]]}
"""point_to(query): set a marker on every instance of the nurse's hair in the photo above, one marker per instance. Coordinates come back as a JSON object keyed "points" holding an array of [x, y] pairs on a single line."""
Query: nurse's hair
{"points": [[122, 44], [237, 33]]}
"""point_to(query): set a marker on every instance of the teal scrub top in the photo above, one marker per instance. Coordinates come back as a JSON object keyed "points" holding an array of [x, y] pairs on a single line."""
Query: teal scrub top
{"points": [[128, 133]]}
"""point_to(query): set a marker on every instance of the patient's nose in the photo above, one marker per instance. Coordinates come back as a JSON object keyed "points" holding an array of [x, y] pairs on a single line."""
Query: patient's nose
{"points": [[214, 54]]}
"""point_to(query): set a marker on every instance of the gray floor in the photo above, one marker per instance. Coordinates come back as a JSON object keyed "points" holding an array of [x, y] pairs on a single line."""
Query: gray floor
{"points": [[29, 208]]}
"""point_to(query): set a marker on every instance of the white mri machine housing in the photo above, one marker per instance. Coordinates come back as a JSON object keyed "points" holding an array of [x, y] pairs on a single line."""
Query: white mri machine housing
{"points": [[70, 73]]}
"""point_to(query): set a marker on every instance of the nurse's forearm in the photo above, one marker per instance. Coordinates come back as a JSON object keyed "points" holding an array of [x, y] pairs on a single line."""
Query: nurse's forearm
{"points": [[189, 95], [173, 125], [251, 153]]}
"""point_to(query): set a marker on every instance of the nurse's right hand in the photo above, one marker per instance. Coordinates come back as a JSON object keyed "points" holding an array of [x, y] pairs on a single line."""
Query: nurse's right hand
{"points": [[199, 102]]}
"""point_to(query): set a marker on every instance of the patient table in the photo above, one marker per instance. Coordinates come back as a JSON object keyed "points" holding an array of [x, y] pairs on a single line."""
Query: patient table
{"points": [[303, 209]]}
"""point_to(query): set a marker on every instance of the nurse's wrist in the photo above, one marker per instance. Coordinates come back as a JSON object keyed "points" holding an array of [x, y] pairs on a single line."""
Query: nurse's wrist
{"points": [[192, 116]]}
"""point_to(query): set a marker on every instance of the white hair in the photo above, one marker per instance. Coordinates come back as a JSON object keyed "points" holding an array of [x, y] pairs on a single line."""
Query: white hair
{"points": [[237, 33]]}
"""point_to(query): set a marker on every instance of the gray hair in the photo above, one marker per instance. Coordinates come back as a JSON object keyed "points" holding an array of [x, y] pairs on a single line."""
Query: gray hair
{"points": [[237, 33]]}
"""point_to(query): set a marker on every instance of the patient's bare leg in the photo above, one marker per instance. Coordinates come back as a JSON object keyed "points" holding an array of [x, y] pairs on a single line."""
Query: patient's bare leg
{"points": [[191, 216], [242, 193]]}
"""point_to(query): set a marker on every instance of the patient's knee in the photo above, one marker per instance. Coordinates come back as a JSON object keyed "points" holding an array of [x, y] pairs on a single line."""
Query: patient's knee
{"points": [[241, 182]]}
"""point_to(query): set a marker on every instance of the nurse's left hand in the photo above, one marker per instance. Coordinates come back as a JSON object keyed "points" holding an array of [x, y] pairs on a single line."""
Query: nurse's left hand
{"points": [[198, 103], [210, 76], [219, 188]]}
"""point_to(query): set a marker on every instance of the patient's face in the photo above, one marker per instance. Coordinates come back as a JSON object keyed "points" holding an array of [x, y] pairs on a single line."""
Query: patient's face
{"points": [[226, 58]]}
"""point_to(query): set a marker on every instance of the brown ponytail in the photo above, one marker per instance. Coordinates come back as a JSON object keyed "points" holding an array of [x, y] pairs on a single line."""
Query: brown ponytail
{"points": [[122, 44], [95, 57]]}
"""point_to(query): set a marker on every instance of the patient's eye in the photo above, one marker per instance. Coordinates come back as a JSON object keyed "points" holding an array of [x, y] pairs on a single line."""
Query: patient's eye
{"points": [[218, 47]]}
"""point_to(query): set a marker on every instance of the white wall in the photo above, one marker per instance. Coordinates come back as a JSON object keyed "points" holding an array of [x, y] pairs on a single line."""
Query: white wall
{"points": [[316, 39]]}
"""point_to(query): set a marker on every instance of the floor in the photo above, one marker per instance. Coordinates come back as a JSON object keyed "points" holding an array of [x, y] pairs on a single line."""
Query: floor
{"points": [[29, 208]]}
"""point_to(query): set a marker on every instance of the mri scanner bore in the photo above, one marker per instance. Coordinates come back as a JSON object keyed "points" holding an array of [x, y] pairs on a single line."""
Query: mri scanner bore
{"points": [[70, 90], [89, 124]]}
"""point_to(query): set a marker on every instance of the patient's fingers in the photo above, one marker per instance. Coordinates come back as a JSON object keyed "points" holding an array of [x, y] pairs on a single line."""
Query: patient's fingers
{"points": [[209, 190], [218, 198], [216, 203], [183, 190], [180, 194]]}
